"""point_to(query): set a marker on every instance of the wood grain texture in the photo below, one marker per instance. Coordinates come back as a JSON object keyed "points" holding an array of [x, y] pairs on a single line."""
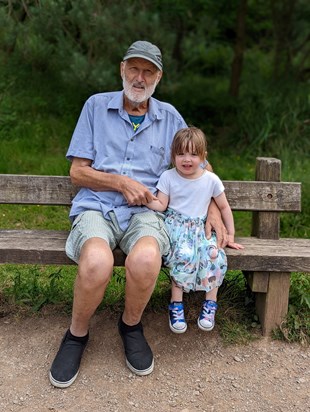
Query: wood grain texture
{"points": [[272, 306], [242, 195], [263, 255]]}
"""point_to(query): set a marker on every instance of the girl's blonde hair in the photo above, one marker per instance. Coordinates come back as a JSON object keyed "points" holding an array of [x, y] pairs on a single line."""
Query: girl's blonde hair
{"points": [[189, 139]]}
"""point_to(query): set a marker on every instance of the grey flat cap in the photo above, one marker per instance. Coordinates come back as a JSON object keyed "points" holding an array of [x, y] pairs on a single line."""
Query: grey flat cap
{"points": [[145, 50]]}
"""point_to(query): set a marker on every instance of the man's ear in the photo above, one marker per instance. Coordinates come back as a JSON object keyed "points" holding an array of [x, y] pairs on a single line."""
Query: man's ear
{"points": [[122, 68], [159, 76]]}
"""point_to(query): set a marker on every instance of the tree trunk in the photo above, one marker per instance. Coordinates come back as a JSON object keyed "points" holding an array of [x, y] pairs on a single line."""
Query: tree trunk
{"points": [[282, 16], [236, 68]]}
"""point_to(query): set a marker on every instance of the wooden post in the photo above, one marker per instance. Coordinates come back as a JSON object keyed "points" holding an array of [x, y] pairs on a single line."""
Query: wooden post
{"points": [[271, 289], [272, 306], [266, 225]]}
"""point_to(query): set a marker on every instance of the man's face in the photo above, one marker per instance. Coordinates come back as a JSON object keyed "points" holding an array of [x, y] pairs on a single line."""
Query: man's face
{"points": [[140, 78]]}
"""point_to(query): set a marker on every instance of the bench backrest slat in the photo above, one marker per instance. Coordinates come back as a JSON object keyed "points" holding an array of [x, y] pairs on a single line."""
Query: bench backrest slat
{"points": [[38, 190], [242, 195]]}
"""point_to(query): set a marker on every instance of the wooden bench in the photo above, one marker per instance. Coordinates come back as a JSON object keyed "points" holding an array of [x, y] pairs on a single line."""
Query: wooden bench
{"points": [[267, 260]]}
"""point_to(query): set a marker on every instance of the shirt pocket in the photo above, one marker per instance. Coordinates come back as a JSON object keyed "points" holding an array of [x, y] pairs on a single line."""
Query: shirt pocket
{"points": [[157, 160]]}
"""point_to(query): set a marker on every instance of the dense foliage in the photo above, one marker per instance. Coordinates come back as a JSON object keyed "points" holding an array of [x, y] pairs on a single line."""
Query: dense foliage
{"points": [[239, 69]]}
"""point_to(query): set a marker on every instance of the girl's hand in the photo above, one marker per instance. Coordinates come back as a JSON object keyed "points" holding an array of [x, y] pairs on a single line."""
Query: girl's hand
{"points": [[232, 244]]}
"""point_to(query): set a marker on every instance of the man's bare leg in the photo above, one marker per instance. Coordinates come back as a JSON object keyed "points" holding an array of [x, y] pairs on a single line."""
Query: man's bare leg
{"points": [[142, 269], [94, 273]]}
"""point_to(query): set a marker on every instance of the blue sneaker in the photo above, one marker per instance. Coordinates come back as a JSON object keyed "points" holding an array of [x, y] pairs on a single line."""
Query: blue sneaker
{"points": [[177, 320], [206, 320]]}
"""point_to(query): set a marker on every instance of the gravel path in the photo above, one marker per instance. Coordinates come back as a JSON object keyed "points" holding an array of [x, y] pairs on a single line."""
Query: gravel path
{"points": [[193, 372]]}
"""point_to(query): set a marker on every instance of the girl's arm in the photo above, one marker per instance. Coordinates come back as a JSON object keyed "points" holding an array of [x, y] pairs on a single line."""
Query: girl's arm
{"points": [[161, 202], [228, 220]]}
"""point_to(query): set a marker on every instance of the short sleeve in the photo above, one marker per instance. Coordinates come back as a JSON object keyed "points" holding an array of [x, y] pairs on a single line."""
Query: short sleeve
{"points": [[218, 186], [82, 142], [163, 183]]}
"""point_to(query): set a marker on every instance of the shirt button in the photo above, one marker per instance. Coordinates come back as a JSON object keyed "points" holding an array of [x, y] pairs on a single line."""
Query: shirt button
{"points": [[128, 158], [131, 139]]}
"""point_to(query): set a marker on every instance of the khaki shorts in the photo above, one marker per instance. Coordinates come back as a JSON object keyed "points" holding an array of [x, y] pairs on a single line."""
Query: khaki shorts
{"points": [[91, 224]]}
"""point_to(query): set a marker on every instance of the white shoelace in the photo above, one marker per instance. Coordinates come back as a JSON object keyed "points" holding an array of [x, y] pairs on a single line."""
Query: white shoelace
{"points": [[178, 314], [208, 313]]}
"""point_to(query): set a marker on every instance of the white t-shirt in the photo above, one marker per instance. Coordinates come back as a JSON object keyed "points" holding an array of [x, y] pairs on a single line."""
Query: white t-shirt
{"points": [[190, 197]]}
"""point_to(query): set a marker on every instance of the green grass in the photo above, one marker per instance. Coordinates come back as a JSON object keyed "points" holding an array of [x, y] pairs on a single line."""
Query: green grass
{"points": [[34, 217], [25, 289]]}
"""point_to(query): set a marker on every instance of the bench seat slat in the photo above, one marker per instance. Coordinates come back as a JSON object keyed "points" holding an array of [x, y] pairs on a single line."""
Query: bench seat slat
{"points": [[242, 195], [47, 247]]}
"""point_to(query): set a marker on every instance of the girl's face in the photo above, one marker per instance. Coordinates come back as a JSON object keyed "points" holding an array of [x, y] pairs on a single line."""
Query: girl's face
{"points": [[188, 164]]}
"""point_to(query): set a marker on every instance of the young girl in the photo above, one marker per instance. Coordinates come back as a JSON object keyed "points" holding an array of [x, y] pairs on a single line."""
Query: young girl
{"points": [[195, 262]]}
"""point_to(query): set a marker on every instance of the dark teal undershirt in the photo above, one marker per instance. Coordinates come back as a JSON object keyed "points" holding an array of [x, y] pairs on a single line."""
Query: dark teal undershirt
{"points": [[136, 121]]}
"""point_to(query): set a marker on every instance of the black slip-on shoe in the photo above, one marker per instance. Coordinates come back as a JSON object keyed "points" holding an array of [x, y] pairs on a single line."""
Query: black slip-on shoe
{"points": [[139, 356], [66, 365]]}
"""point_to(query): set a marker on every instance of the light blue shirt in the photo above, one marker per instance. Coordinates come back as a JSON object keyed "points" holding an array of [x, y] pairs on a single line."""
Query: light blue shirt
{"points": [[104, 134]]}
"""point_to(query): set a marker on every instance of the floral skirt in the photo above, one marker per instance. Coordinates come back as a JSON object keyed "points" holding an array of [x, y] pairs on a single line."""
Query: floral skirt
{"points": [[195, 262]]}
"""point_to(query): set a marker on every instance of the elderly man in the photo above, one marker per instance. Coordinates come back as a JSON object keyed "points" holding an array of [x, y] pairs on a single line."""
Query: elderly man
{"points": [[120, 147]]}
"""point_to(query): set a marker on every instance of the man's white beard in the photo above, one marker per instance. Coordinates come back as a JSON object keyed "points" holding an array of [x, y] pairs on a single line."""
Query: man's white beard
{"points": [[138, 97]]}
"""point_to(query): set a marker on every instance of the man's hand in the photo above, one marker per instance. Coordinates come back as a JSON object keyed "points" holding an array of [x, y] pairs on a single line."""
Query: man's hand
{"points": [[135, 193], [83, 175], [214, 222]]}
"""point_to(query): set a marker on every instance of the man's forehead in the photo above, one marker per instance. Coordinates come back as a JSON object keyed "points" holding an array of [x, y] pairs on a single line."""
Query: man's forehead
{"points": [[138, 61]]}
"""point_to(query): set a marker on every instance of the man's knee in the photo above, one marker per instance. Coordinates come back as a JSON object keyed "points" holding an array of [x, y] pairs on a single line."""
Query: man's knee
{"points": [[96, 262], [145, 256]]}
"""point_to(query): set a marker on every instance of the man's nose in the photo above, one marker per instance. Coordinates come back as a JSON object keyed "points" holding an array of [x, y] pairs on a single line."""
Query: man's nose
{"points": [[140, 76]]}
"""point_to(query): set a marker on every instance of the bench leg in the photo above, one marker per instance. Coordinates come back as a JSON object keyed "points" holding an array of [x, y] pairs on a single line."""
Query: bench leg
{"points": [[272, 306]]}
